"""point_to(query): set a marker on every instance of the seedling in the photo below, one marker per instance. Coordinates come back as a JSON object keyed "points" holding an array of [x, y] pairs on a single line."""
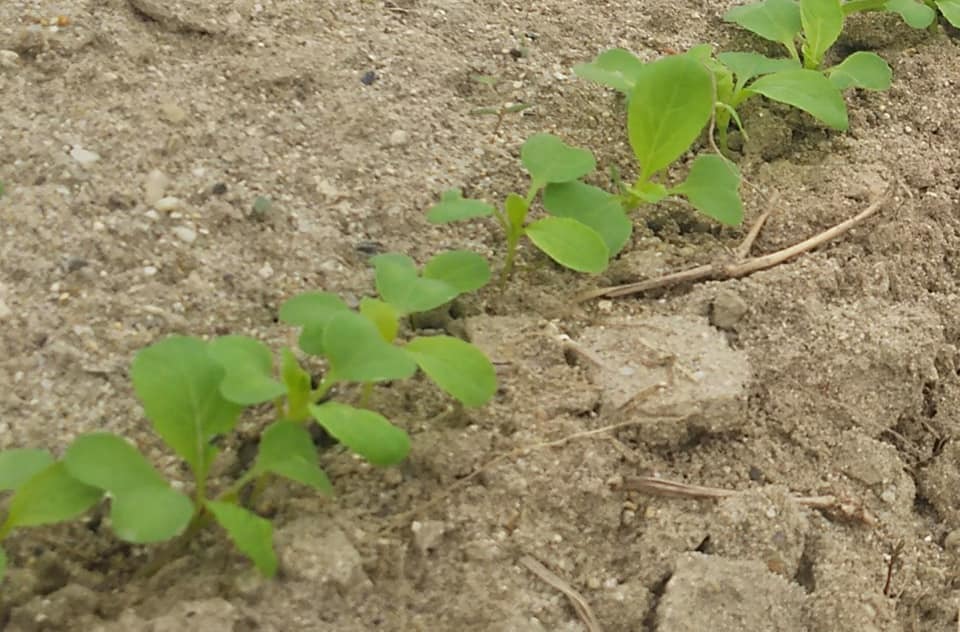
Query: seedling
{"points": [[500, 111], [194, 391], [567, 241], [918, 14]]}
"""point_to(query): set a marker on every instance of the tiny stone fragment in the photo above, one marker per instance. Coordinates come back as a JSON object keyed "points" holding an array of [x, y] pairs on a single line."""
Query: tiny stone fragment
{"points": [[399, 138], [9, 59], [84, 157], [427, 534], [185, 234], [172, 113], [154, 186], [167, 204]]}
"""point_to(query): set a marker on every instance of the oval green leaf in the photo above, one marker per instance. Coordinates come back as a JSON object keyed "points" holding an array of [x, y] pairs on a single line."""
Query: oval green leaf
{"points": [[312, 311], [464, 270], [109, 462], [822, 22], [178, 384], [775, 20], [399, 284], [357, 352], [615, 68], [916, 14], [454, 207], [365, 432], [950, 10], [808, 90], [19, 465], [861, 70], [287, 450], [549, 159], [248, 365], [746, 66], [713, 188], [250, 533], [51, 496], [669, 107], [457, 367], [150, 514], [570, 243], [593, 207], [383, 315]]}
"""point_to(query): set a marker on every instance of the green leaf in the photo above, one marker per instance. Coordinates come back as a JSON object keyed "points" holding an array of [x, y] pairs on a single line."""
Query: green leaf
{"points": [[367, 433], [746, 66], [808, 90], [357, 352], [916, 14], [516, 208], [19, 465], [110, 463], [250, 533], [593, 207], [179, 385], [775, 20], [712, 187], [615, 68], [464, 270], [51, 496], [248, 365], [453, 207], [861, 70], [3, 554], [383, 315], [298, 385], [822, 22], [570, 243], [312, 311], [670, 105], [399, 284], [549, 159], [457, 367], [950, 10], [287, 450], [651, 192], [150, 514]]}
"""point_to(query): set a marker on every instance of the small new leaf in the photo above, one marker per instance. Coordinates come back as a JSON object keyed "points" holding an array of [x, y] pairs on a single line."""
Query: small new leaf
{"points": [[549, 159], [570, 243], [19, 465], [615, 68], [312, 311], [399, 284], [808, 90], [775, 20], [110, 463], [383, 315], [861, 70], [454, 207], [51, 496], [358, 353], [712, 187], [150, 514], [286, 449], [365, 432], [248, 367], [457, 367], [822, 22], [250, 533], [593, 207], [916, 14], [463, 270]]}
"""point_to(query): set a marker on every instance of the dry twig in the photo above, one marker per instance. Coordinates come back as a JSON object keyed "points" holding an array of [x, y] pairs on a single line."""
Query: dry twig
{"points": [[580, 604], [743, 268]]}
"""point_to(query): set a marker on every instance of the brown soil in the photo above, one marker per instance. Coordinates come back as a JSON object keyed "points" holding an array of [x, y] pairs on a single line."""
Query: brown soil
{"points": [[848, 356]]}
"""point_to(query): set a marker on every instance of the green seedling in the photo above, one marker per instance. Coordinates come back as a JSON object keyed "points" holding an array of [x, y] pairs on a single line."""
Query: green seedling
{"points": [[918, 14], [669, 103], [567, 241]]}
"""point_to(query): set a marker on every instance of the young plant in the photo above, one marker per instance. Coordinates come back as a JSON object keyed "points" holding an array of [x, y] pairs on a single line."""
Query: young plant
{"points": [[918, 14], [570, 243]]}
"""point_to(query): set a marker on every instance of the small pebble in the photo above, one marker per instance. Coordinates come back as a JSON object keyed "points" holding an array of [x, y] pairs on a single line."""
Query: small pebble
{"points": [[185, 234], [399, 138], [9, 59], [727, 310], [219, 188], [154, 186], [172, 113], [266, 271], [149, 270], [167, 204], [84, 157], [368, 78]]}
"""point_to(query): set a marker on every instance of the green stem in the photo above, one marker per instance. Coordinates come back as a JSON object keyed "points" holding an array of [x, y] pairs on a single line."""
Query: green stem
{"points": [[325, 385], [859, 6], [507, 270], [366, 394]]}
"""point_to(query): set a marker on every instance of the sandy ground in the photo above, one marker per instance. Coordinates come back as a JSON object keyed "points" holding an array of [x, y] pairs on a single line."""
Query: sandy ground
{"points": [[835, 374]]}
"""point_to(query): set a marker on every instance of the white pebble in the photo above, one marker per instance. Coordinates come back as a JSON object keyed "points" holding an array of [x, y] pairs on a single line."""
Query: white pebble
{"points": [[9, 59], [149, 270], [154, 186], [266, 271], [399, 138], [185, 234], [84, 157], [167, 204]]}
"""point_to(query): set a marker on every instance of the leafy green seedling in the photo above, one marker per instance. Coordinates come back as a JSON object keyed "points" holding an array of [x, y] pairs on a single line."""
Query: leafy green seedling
{"points": [[669, 103], [567, 241], [917, 13]]}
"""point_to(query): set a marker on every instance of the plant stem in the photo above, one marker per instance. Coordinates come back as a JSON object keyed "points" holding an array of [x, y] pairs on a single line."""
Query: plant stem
{"points": [[859, 6], [508, 261]]}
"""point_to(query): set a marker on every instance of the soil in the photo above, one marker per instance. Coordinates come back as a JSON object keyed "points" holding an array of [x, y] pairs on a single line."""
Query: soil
{"points": [[833, 374]]}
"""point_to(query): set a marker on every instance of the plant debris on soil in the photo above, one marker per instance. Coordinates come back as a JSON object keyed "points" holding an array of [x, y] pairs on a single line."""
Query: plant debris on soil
{"points": [[139, 139]]}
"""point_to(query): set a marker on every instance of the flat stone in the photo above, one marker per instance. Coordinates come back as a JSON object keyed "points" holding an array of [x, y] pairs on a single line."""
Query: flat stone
{"points": [[185, 234], [172, 113], [9, 59], [399, 138], [84, 157], [154, 186], [167, 204]]}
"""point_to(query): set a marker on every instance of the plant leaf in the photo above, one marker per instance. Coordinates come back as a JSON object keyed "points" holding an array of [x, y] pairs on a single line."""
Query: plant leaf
{"points": [[615, 68], [822, 22], [593, 207], [516, 210], [383, 315], [178, 384], [453, 207], [250, 533], [312, 311], [712, 187], [51, 496], [775, 20], [950, 10], [298, 385], [150, 514], [19, 465], [861, 70], [549, 159], [464, 270], [248, 365], [287, 450], [916, 14], [399, 284], [669, 107], [457, 367], [357, 352], [808, 90], [651, 192], [367, 433], [746, 66], [110, 463], [570, 243], [3, 554]]}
